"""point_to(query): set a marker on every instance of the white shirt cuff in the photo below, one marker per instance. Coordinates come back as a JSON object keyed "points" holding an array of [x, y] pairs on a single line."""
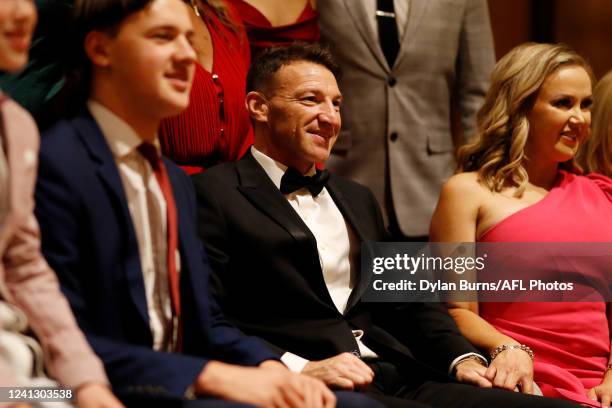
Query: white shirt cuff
{"points": [[462, 357], [294, 362]]}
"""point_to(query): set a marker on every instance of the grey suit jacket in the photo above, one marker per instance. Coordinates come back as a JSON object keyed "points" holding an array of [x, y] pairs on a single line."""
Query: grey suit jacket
{"points": [[25, 278], [397, 119]]}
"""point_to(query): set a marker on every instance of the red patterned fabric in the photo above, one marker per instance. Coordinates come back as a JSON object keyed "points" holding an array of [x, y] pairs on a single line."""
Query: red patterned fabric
{"points": [[262, 34], [571, 340], [215, 128]]}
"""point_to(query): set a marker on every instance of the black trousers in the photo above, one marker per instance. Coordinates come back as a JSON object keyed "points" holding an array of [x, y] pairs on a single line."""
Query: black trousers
{"points": [[395, 388]]}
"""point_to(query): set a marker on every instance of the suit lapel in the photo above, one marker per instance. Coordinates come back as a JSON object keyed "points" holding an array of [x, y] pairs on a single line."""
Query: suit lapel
{"points": [[261, 192], [415, 16], [257, 187], [91, 136], [362, 19], [344, 205], [186, 245]]}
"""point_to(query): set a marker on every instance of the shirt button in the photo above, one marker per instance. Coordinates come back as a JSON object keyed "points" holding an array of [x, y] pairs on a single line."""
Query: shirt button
{"points": [[391, 81], [393, 136]]}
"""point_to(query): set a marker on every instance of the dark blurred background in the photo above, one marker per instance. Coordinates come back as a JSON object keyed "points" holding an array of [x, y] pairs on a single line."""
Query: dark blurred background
{"points": [[586, 25]]}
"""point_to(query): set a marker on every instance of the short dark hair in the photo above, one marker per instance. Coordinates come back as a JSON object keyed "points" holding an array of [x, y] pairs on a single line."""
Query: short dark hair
{"points": [[88, 16], [269, 61], [104, 15]]}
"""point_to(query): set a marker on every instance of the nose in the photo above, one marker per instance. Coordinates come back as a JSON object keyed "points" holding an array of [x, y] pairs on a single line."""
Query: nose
{"points": [[579, 116], [25, 10], [329, 115], [185, 52]]}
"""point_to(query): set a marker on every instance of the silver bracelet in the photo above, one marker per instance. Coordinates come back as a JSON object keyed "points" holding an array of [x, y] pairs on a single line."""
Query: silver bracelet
{"points": [[505, 347]]}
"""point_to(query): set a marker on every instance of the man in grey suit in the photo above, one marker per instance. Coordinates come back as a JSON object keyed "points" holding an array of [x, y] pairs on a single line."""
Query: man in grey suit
{"points": [[404, 63]]}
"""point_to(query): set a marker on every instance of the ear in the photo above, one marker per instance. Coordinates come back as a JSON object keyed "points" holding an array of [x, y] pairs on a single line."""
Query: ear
{"points": [[97, 48], [258, 106]]}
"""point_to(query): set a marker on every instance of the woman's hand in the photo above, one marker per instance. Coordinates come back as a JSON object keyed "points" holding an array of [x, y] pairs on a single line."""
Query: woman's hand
{"points": [[512, 368], [602, 392]]}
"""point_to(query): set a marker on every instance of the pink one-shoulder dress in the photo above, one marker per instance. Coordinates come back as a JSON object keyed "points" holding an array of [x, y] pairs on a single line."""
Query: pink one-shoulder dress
{"points": [[571, 340]]}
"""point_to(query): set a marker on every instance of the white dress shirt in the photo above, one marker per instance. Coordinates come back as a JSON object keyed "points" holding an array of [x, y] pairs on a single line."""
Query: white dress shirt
{"points": [[147, 208], [336, 244]]}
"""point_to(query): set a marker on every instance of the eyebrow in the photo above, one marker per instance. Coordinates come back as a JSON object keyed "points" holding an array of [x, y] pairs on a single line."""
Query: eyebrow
{"points": [[299, 91], [170, 27], [561, 96]]}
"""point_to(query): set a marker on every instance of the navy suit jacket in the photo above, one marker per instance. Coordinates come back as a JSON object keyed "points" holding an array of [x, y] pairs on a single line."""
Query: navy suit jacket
{"points": [[89, 240]]}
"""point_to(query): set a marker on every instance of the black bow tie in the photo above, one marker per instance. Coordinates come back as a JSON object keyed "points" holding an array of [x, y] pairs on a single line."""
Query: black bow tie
{"points": [[293, 180]]}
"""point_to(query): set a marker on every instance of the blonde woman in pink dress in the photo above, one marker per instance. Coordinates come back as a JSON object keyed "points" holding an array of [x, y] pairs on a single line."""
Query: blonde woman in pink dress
{"points": [[518, 182]]}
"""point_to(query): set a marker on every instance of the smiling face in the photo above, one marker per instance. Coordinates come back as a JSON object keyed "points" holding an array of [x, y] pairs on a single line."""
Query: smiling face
{"points": [[149, 61], [17, 21], [302, 115], [561, 115]]}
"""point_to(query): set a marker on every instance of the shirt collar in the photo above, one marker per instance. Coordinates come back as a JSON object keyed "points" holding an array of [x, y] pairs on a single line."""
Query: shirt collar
{"points": [[275, 170], [120, 136]]}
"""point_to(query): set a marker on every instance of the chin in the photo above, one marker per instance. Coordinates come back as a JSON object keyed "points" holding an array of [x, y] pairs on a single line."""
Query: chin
{"points": [[168, 110], [320, 158], [13, 64]]}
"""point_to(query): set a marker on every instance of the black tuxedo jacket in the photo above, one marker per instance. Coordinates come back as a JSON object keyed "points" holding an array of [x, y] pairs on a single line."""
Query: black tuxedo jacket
{"points": [[268, 279]]}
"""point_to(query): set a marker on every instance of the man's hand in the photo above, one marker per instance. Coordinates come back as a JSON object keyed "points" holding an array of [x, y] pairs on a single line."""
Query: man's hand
{"points": [[512, 368], [470, 371], [602, 392], [270, 385], [344, 371], [96, 396]]}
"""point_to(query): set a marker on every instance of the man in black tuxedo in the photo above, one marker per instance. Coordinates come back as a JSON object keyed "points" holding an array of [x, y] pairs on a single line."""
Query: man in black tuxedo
{"points": [[284, 242]]}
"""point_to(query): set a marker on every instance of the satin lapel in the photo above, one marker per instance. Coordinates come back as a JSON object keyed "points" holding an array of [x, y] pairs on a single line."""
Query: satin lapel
{"points": [[263, 194], [415, 17], [257, 187], [91, 136], [344, 205], [360, 15]]}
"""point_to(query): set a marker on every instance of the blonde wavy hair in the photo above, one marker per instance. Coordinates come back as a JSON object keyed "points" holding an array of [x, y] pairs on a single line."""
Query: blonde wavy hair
{"points": [[498, 151], [596, 154]]}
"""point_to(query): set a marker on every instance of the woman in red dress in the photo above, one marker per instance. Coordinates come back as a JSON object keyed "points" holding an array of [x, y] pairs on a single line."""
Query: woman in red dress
{"points": [[278, 22], [215, 128], [519, 183]]}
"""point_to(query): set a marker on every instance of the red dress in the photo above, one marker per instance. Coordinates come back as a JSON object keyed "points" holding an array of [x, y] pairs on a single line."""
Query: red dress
{"points": [[215, 128], [262, 34], [571, 340]]}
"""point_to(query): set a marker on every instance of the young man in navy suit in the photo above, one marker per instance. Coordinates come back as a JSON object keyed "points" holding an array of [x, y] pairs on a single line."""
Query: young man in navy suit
{"points": [[119, 226]]}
